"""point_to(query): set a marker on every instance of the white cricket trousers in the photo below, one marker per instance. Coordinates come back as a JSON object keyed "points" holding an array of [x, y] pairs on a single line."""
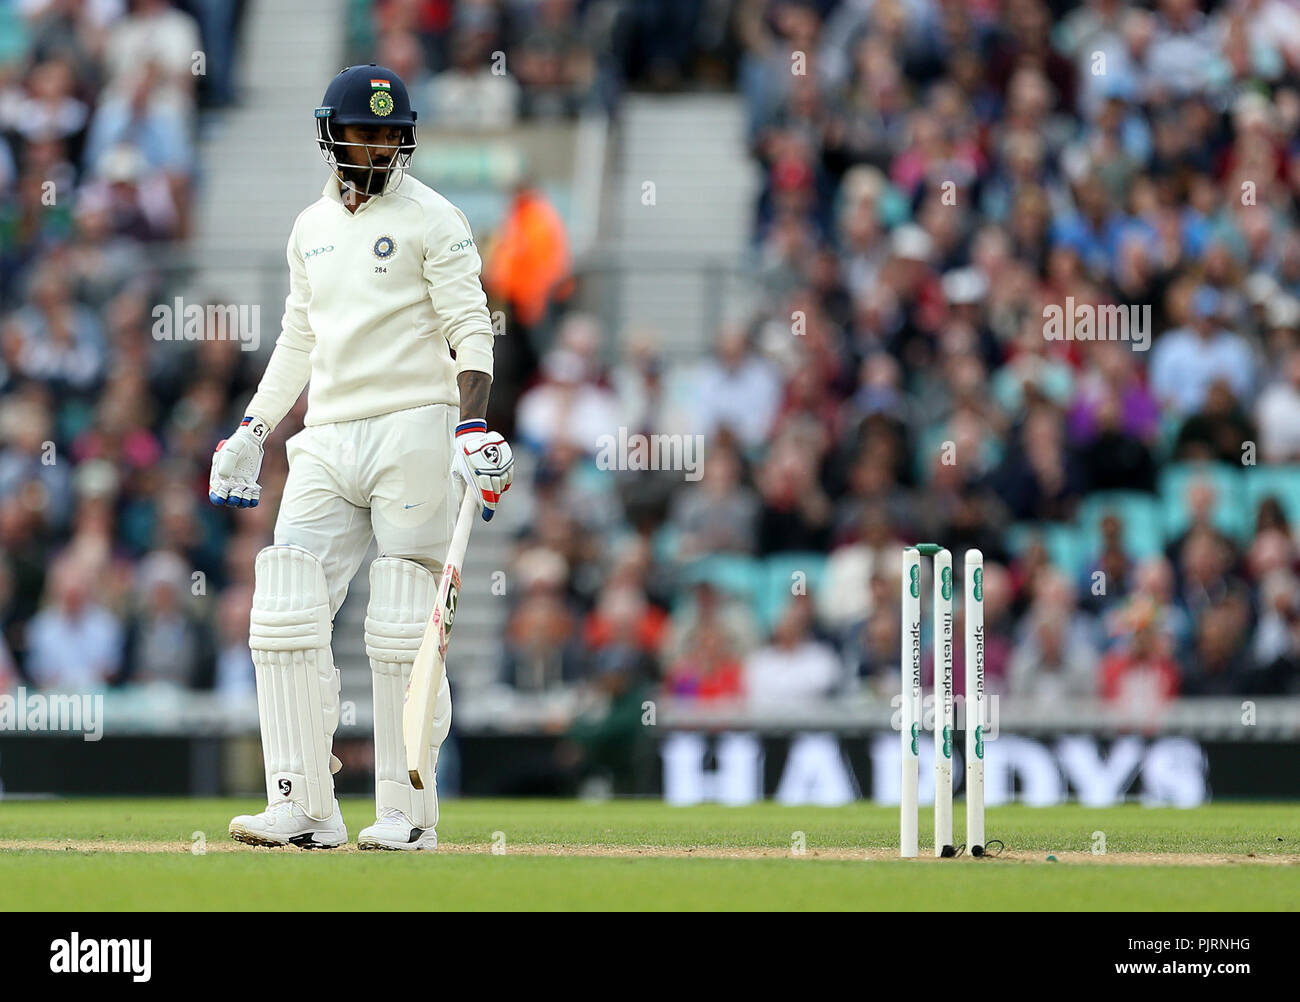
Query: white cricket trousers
{"points": [[386, 478]]}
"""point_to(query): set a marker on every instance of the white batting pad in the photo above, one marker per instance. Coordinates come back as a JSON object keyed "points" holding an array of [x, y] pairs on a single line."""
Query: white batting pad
{"points": [[402, 594], [297, 683]]}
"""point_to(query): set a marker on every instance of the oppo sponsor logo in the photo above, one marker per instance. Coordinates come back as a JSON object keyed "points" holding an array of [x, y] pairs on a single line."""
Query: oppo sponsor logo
{"points": [[75, 955]]}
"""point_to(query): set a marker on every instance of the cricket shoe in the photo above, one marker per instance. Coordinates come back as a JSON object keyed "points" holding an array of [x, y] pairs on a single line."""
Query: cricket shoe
{"points": [[395, 831], [286, 823]]}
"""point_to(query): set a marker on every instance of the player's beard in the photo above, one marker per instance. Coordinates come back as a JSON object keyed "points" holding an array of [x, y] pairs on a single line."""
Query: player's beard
{"points": [[367, 180]]}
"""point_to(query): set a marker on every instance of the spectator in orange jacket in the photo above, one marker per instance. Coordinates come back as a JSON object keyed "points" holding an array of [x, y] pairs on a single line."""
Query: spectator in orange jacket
{"points": [[528, 266]]}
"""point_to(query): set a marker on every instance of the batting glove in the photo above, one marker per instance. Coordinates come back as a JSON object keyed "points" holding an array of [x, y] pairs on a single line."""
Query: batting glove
{"points": [[236, 464], [484, 462]]}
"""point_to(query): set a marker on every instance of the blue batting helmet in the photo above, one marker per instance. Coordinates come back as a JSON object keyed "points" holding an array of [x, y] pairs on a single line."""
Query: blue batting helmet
{"points": [[366, 95]]}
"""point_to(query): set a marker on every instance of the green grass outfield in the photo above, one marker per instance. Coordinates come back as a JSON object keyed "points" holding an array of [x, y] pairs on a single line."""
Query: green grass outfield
{"points": [[101, 855]]}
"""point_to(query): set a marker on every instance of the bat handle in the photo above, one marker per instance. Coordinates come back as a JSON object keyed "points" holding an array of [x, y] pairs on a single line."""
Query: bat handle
{"points": [[460, 535]]}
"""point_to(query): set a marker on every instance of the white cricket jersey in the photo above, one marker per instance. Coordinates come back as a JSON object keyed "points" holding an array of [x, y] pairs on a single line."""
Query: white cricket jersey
{"points": [[377, 298]]}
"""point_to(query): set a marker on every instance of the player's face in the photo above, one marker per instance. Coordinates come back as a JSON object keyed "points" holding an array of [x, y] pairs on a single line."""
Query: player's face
{"points": [[377, 144], [375, 149]]}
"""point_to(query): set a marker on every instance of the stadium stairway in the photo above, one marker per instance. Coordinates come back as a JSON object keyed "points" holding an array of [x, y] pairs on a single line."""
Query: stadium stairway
{"points": [[259, 162], [678, 259]]}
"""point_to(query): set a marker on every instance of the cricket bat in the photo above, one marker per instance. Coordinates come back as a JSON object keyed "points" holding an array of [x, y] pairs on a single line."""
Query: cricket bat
{"points": [[431, 660]]}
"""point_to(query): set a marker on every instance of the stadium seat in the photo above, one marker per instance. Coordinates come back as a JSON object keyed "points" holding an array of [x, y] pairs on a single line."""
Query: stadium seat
{"points": [[1142, 515], [778, 579], [1283, 482], [931, 445], [13, 34], [589, 479], [736, 575], [1230, 511], [664, 543], [1167, 437], [1066, 547]]}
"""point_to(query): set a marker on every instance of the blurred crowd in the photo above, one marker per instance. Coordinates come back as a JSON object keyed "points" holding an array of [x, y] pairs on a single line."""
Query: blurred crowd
{"points": [[935, 174], [484, 64], [113, 568]]}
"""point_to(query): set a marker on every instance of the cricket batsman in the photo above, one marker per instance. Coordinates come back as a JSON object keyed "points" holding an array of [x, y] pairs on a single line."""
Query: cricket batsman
{"points": [[387, 318]]}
